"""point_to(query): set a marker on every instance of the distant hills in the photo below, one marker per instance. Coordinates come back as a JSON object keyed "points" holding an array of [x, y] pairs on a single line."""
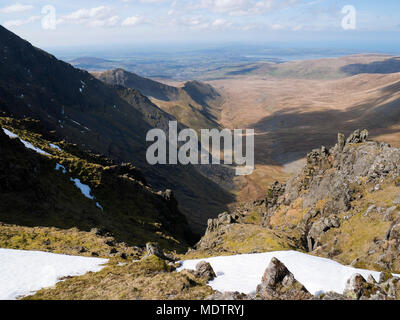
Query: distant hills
{"points": [[327, 68]]}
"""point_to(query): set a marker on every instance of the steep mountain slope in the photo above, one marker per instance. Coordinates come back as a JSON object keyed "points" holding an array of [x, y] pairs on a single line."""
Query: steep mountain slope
{"points": [[46, 182], [147, 87], [195, 105], [91, 114]]}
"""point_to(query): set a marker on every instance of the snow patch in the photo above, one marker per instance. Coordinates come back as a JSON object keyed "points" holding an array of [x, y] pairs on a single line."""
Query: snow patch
{"points": [[85, 189], [24, 272], [10, 134], [27, 144], [53, 146], [243, 273], [59, 167]]}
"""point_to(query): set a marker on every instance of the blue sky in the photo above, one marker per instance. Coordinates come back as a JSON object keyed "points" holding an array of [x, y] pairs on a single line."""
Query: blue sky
{"points": [[124, 22]]}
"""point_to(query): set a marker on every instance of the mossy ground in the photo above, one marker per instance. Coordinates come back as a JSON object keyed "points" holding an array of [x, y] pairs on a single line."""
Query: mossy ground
{"points": [[147, 279], [238, 239], [69, 242]]}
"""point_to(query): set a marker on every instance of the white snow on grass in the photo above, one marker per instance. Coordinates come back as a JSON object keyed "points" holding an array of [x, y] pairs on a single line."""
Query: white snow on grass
{"points": [[10, 134], [53, 146], [61, 167], [98, 205], [26, 143], [32, 147], [24, 272], [85, 189], [243, 273]]}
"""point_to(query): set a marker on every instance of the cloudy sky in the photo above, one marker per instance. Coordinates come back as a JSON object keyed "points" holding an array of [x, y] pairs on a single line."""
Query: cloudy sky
{"points": [[122, 22]]}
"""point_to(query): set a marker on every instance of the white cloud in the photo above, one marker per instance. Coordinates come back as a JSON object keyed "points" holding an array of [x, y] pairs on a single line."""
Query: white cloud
{"points": [[132, 21], [221, 23], [95, 17], [17, 7], [226, 6], [18, 23], [244, 7], [277, 26]]}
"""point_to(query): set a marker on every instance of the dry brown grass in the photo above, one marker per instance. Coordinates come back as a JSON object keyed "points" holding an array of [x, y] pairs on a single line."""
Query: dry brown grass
{"points": [[148, 279]]}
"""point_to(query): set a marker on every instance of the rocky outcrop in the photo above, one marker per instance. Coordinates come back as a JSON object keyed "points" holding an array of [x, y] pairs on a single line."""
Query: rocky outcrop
{"points": [[222, 220], [357, 288], [278, 283], [274, 192], [343, 205], [318, 228]]}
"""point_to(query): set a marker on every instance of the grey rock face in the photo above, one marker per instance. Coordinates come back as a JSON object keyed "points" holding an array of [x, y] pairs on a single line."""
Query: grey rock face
{"points": [[358, 137], [319, 228], [331, 175]]}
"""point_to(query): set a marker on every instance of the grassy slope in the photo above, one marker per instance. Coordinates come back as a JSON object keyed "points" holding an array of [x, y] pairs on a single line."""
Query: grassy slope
{"points": [[147, 279]]}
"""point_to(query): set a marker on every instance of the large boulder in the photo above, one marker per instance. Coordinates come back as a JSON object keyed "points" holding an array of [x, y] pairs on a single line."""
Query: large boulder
{"points": [[278, 283], [205, 270]]}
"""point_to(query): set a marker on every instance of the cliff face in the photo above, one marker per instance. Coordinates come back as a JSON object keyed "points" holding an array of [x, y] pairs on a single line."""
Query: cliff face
{"points": [[344, 204]]}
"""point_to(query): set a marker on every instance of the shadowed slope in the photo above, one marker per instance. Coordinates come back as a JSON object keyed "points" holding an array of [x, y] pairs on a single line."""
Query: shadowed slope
{"points": [[90, 113]]}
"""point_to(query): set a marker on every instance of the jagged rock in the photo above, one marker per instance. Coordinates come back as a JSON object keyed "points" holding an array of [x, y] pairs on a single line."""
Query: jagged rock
{"points": [[341, 142], [223, 219], [274, 192], [205, 270], [384, 276], [278, 283], [358, 137], [357, 288], [155, 249], [319, 228]]}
